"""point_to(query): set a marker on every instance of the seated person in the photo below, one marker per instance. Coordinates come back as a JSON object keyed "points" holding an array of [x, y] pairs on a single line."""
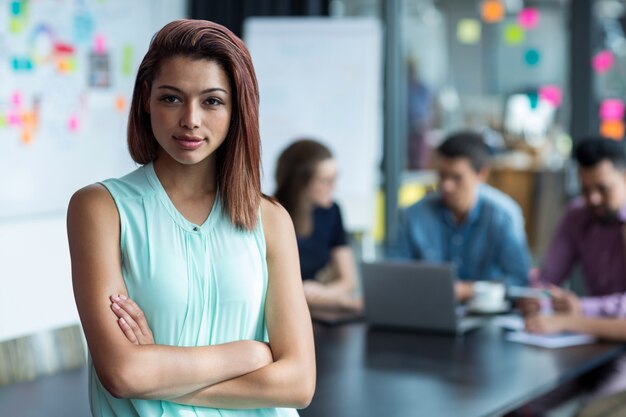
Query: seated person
{"points": [[305, 180], [592, 233], [476, 227]]}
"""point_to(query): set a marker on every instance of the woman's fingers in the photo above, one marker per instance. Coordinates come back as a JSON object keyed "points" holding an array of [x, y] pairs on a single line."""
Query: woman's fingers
{"points": [[128, 332], [132, 320], [136, 313]]}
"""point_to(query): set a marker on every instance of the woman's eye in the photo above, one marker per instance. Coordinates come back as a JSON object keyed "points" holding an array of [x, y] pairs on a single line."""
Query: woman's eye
{"points": [[213, 101], [170, 99]]}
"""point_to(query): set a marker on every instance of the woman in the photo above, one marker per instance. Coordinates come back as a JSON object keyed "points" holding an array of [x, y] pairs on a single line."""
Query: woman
{"points": [[189, 240], [305, 180]]}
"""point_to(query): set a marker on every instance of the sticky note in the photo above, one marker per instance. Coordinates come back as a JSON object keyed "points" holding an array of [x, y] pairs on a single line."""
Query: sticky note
{"points": [[127, 60], [21, 64], [3, 120], [611, 109], [603, 61], [492, 11], [613, 129], [14, 118], [27, 136], [528, 18], [16, 8], [514, 34], [73, 124], [120, 103], [99, 44], [83, 28], [16, 24], [532, 57], [513, 6], [16, 98], [533, 99], [551, 94], [468, 31]]}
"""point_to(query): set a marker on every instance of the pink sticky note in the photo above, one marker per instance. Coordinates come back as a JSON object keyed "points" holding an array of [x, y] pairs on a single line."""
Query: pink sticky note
{"points": [[99, 44], [552, 94], [612, 109], [603, 61], [16, 98], [73, 123], [14, 119], [528, 18]]}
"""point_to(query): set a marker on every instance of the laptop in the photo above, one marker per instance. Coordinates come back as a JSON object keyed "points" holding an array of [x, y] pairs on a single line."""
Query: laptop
{"points": [[413, 295]]}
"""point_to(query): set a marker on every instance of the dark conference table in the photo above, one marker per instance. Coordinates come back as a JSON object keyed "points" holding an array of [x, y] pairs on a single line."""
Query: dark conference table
{"points": [[370, 372], [373, 373]]}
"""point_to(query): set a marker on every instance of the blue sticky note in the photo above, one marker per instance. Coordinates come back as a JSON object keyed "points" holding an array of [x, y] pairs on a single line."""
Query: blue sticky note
{"points": [[83, 28], [21, 64], [16, 8]]}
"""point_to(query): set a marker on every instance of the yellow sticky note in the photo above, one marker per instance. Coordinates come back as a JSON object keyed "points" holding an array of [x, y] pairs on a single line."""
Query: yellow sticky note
{"points": [[468, 31]]}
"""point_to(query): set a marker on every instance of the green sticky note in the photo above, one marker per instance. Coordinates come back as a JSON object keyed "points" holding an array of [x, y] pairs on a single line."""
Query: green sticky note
{"points": [[3, 120], [514, 34], [127, 60], [16, 25]]}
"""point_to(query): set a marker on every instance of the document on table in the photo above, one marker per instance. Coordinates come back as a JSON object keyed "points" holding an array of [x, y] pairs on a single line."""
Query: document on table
{"points": [[550, 341]]}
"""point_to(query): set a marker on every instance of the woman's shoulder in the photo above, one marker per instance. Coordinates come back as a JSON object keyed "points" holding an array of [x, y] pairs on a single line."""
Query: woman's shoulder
{"points": [[91, 202], [273, 214]]}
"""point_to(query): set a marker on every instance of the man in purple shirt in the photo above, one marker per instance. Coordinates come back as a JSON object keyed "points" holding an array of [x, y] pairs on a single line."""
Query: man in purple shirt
{"points": [[592, 232]]}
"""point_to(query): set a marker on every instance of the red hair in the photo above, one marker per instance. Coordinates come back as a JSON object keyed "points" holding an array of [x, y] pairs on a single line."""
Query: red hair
{"points": [[238, 159]]}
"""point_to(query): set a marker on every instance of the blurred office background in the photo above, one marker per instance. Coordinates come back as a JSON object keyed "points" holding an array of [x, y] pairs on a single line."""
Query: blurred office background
{"points": [[533, 75]]}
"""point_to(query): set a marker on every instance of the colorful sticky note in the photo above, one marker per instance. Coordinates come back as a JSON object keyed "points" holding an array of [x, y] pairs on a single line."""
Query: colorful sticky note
{"points": [[21, 64], [3, 120], [99, 44], [532, 57], [514, 34], [73, 124], [14, 118], [29, 119], [468, 31], [528, 18], [533, 99], [127, 60], [83, 28], [613, 129], [27, 136], [551, 94], [16, 24], [492, 11], [16, 8], [611, 109], [120, 103], [603, 61], [66, 65], [16, 99]]}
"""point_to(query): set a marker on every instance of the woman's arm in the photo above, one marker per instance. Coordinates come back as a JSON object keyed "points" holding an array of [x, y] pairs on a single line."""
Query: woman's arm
{"points": [[126, 369], [339, 292], [290, 380]]}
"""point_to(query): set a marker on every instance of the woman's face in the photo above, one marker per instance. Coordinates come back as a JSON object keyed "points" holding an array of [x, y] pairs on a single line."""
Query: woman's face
{"points": [[190, 107], [322, 185]]}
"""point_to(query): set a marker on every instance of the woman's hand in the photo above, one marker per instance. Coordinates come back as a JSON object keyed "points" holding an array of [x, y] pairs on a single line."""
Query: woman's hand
{"points": [[131, 320]]}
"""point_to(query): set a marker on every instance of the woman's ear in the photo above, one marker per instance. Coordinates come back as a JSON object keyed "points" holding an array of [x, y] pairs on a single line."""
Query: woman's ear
{"points": [[146, 97]]}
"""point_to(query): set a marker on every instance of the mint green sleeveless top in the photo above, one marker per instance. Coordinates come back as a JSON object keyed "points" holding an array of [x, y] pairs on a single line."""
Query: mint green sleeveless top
{"points": [[198, 285]]}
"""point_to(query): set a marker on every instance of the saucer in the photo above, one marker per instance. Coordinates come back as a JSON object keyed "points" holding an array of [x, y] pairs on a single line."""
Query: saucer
{"points": [[502, 308]]}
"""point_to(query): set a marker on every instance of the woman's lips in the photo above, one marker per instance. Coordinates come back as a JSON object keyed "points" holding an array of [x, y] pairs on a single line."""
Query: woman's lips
{"points": [[189, 142]]}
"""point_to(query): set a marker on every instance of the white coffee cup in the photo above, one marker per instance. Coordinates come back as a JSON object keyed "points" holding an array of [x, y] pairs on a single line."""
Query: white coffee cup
{"points": [[488, 296]]}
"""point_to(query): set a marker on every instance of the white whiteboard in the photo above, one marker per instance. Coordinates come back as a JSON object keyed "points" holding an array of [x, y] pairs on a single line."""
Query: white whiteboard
{"points": [[65, 88], [321, 78], [37, 179]]}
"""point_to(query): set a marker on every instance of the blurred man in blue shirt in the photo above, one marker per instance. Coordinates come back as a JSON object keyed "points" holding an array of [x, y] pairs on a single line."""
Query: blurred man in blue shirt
{"points": [[466, 222]]}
